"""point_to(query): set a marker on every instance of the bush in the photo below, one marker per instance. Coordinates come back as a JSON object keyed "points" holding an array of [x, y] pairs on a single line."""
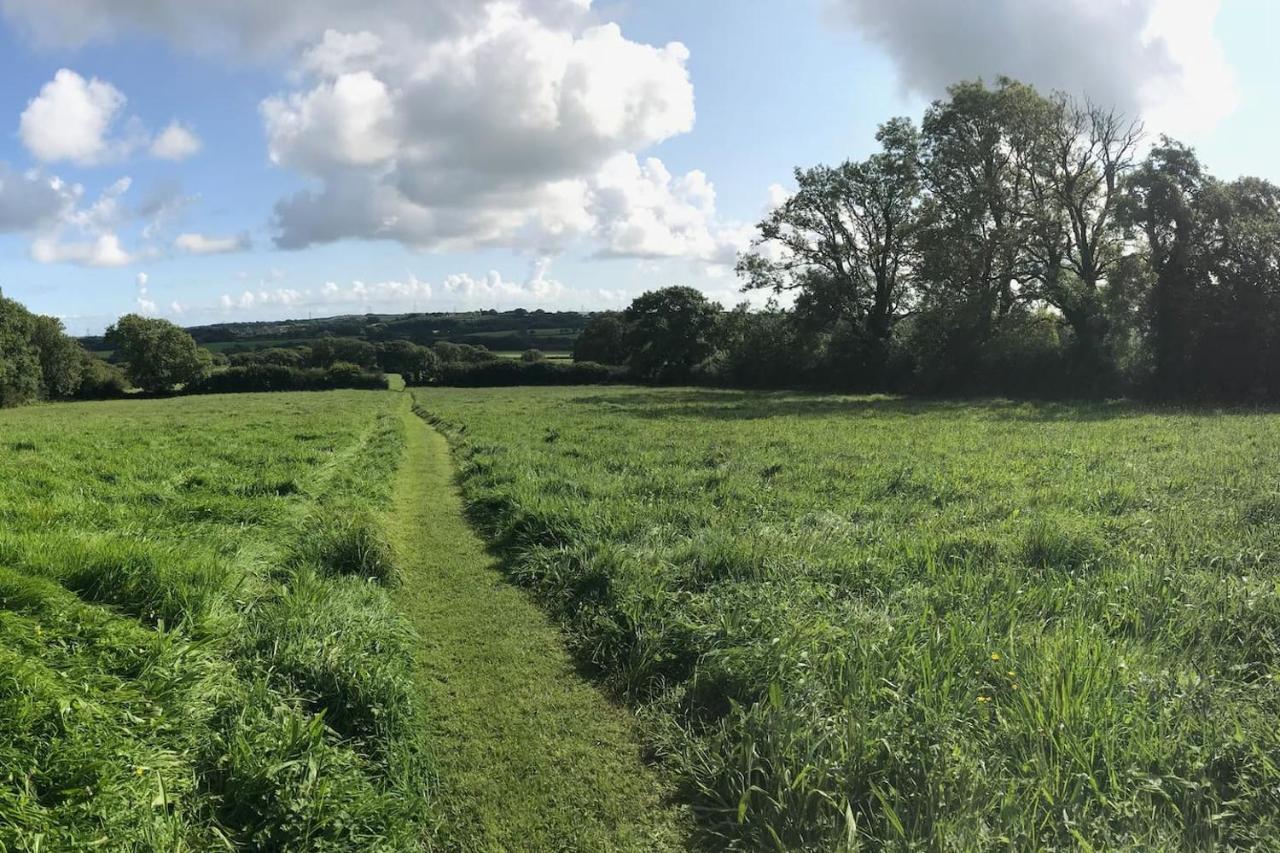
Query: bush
{"points": [[451, 353], [275, 355], [416, 365], [604, 340], [273, 377], [504, 372], [100, 380]]}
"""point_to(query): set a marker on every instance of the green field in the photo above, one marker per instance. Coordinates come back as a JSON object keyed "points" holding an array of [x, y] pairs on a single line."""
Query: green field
{"points": [[198, 648], [253, 622], [872, 622]]}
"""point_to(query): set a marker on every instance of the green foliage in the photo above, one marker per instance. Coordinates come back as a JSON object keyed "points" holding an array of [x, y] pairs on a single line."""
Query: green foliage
{"points": [[451, 353], [417, 365], [352, 544], [159, 355], [276, 356], [603, 341], [173, 676], [19, 361], [670, 332], [61, 359], [100, 380], [329, 351], [260, 377], [870, 622], [505, 371]]}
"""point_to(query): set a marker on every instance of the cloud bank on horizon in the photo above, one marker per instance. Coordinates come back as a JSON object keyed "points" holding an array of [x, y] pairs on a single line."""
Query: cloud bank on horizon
{"points": [[521, 125]]}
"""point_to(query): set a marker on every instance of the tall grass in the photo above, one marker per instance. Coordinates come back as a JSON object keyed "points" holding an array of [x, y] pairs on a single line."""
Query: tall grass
{"points": [[195, 648], [864, 622]]}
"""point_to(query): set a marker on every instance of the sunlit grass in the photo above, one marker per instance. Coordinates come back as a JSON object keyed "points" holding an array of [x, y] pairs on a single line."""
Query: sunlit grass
{"points": [[195, 649], [865, 621]]}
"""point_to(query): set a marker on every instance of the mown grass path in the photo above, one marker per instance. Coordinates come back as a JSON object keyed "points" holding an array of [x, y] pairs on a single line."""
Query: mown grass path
{"points": [[528, 755]]}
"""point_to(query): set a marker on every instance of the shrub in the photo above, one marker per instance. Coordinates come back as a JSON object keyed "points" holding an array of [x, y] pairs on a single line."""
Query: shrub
{"points": [[100, 380], [273, 377], [504, 372], [276, 356]]}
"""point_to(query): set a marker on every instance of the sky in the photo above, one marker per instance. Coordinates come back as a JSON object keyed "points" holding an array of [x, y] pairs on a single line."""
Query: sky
{"points": [[237, 160]]}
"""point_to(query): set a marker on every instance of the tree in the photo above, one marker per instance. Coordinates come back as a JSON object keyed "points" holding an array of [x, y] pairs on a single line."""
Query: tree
{"points": [[273, 355], [976, 225], [327, 351], [602, 340], [1234, 351], [100, 380], [61, 358], [160, 356], [19, 360], [1163, 205], [532, 356], [1075, 167], [670, 332], [417, 365], [843, 240]]}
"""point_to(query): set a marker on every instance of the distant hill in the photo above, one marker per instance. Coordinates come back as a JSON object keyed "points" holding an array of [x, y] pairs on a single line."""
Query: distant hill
{"points": [[520, 329]]}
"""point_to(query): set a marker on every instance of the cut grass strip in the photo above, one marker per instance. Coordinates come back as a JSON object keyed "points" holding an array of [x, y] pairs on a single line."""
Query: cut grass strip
{"points": [[529, 756]]}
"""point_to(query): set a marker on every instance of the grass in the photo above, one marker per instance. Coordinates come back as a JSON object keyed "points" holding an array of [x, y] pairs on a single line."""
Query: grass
{"points": [[529, 756], [866, 622], [197, 646]]}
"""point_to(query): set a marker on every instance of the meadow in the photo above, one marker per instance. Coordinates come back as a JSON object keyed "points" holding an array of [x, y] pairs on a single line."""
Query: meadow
{"points": [[198, 649], [867, 622]]}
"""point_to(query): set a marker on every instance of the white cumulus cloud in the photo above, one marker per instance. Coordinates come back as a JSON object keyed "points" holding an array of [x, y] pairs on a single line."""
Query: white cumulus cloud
{"points": [[175, 142], [103, 251], [203, 244], [72, 119], [444, 124], [489, 135], [86, 234]]}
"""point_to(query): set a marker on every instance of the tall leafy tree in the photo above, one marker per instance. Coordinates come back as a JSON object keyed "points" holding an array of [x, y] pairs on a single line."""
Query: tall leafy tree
{"points": [[159, 355], [1075, 168], [603, 340], [1163, 205], [417, 365], [670, 332], [1234, 350], [977, 220], [843, 241], [62, 359], [19, 360]]}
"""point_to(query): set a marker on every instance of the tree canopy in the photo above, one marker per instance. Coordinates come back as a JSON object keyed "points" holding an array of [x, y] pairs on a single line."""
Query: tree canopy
{"points": [[159, 355], [1013, 243]]}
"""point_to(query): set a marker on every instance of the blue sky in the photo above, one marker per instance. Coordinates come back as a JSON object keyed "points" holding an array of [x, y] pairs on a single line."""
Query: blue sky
{"points": [[537, 153]]}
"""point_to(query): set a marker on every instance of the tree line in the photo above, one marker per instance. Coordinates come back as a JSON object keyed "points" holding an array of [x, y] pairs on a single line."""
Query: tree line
{"points": [[39, 361], [1013, 243]]}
